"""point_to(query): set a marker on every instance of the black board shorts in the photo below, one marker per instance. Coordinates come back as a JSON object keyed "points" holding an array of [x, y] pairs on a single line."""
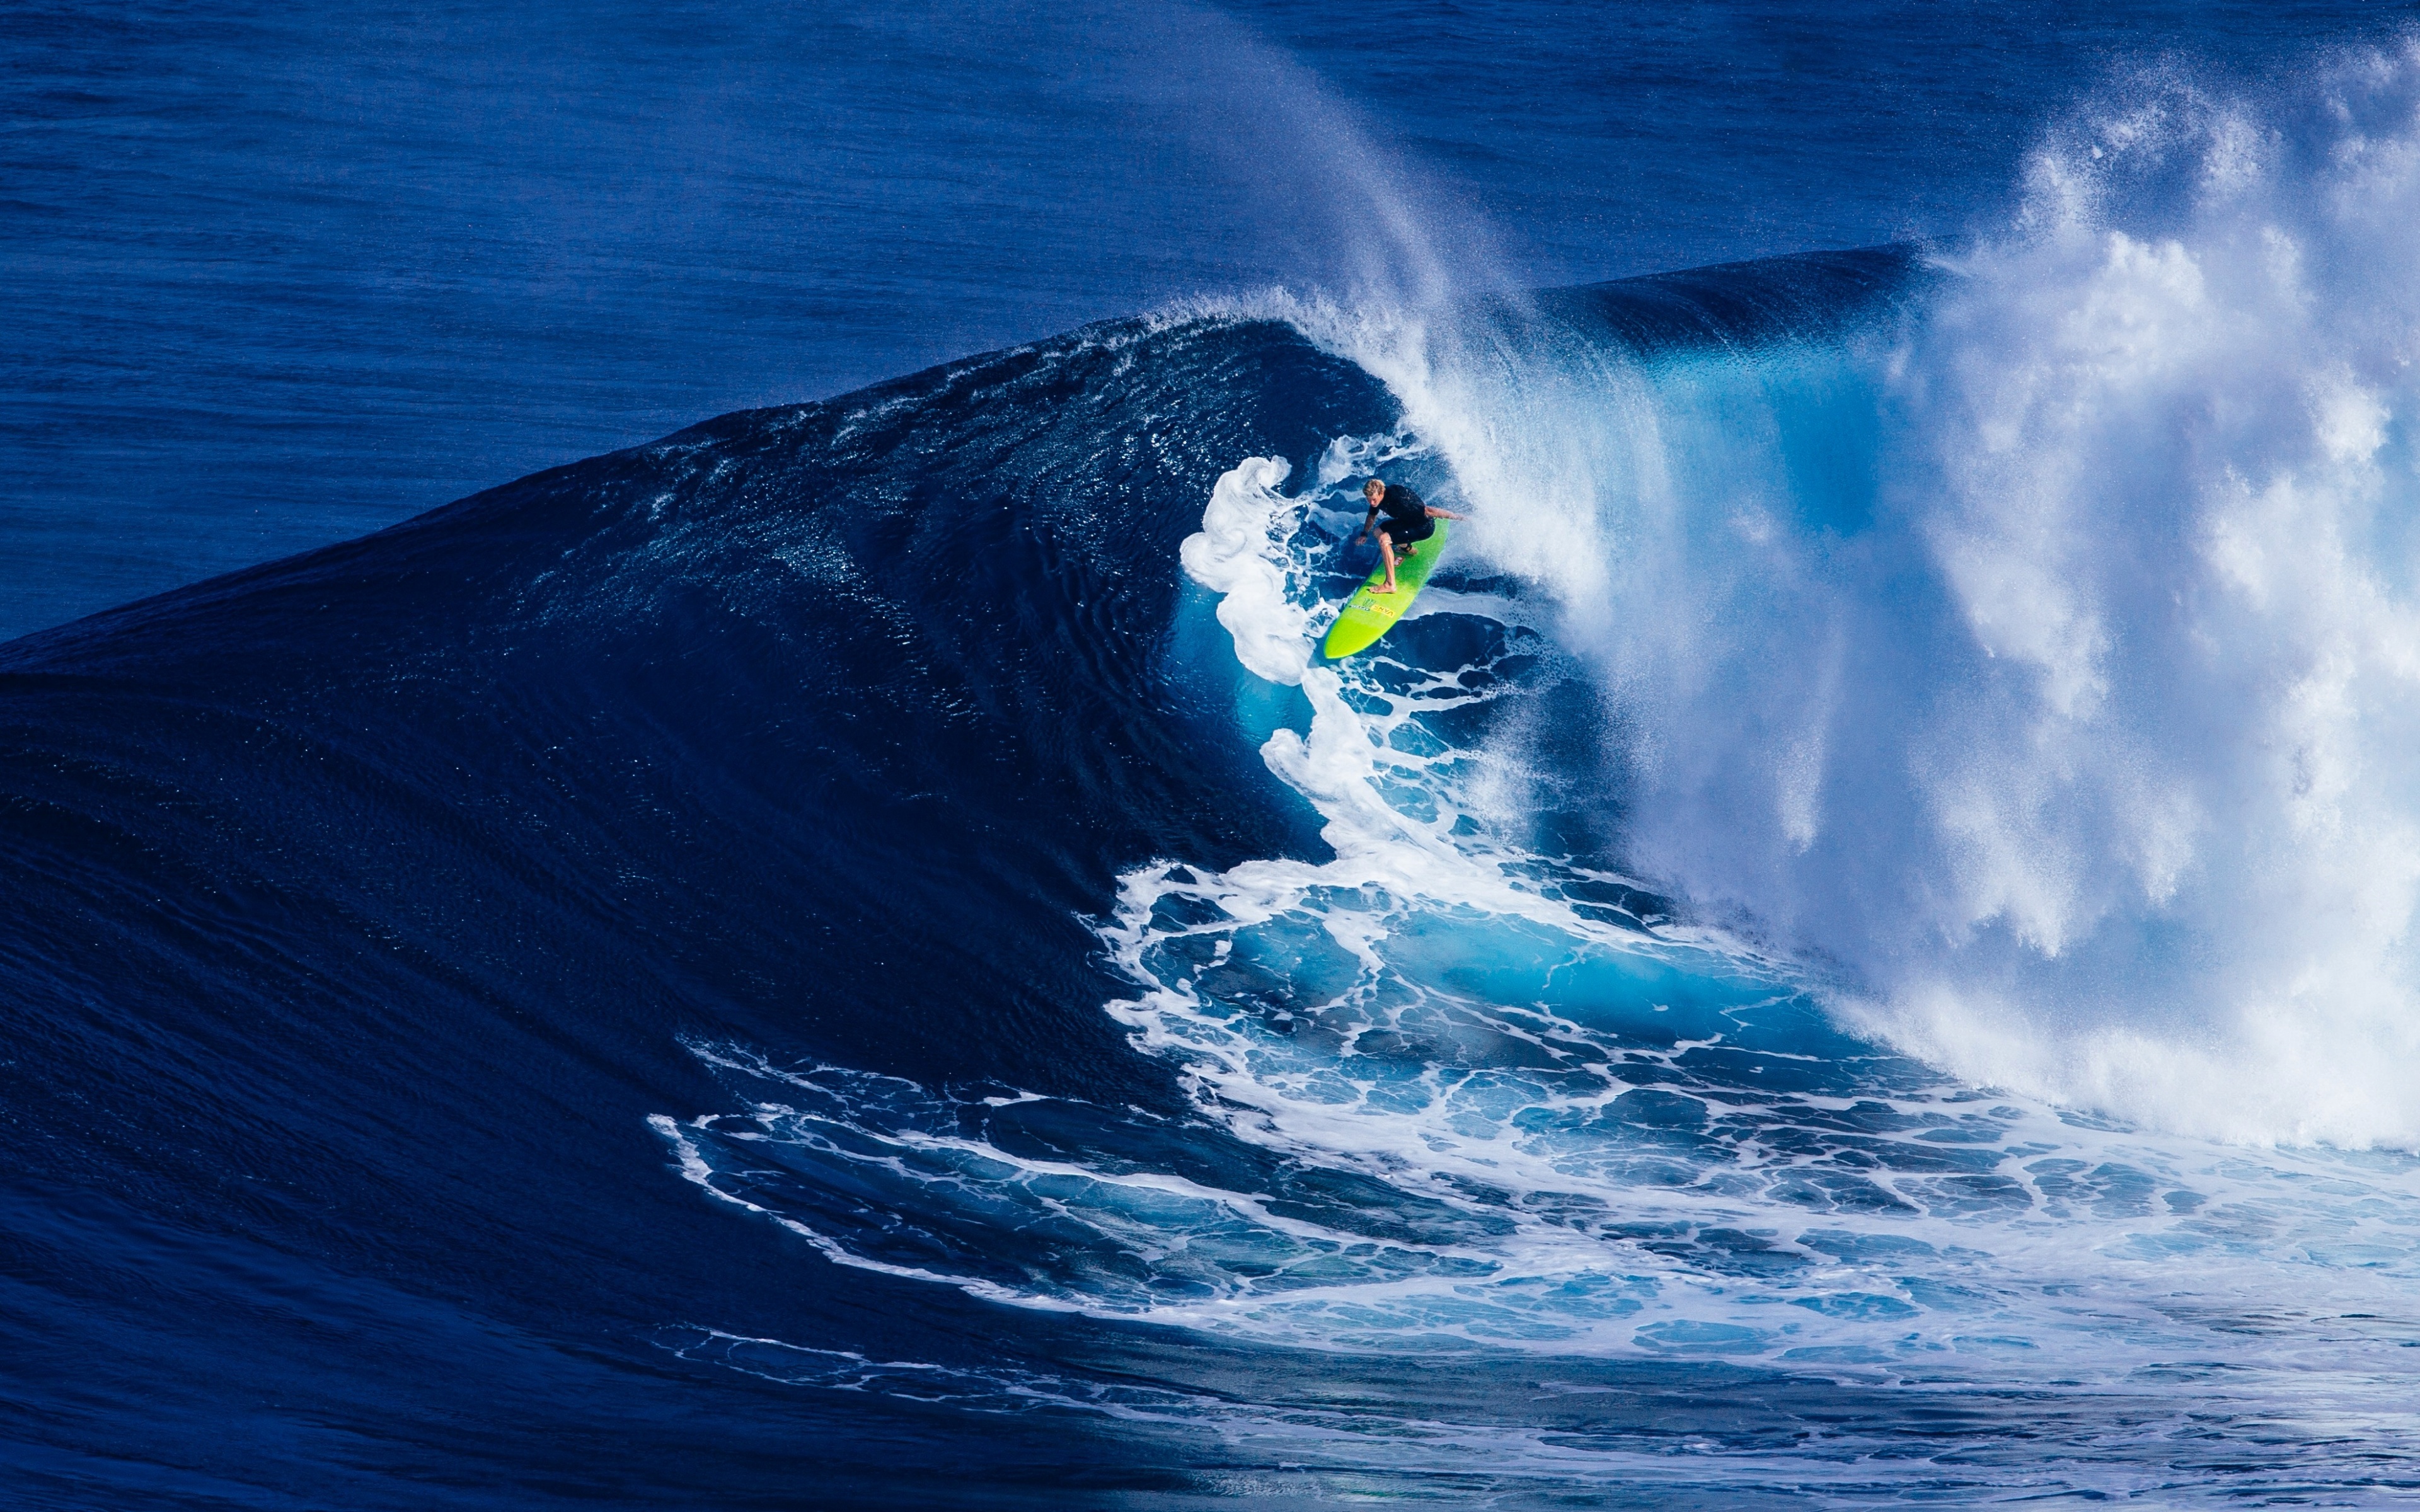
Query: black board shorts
{"points": [[1408, 531]]}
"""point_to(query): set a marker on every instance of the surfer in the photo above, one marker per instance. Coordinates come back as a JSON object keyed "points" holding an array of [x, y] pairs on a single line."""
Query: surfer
{"points": [[1408, 523]]}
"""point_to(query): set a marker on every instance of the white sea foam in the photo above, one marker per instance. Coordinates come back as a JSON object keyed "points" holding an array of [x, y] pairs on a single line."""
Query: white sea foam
{"points": [[1239, 554], [2078, 723]]}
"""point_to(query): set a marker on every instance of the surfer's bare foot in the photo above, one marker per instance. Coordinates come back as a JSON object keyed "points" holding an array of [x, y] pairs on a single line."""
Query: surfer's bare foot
{"points": [[1384, 588]]}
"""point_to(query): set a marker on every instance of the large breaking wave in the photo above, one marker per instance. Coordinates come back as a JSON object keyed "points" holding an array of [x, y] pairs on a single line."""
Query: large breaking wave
{"points": [[1875, 888], [1904, 790]]}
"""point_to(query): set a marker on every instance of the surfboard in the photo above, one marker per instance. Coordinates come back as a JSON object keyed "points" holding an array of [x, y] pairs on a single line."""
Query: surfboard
{"points": [[1369, 614]]}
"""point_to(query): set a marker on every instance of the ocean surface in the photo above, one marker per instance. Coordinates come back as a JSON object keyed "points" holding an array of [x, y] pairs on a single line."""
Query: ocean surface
{"points": [[1858, 948]]}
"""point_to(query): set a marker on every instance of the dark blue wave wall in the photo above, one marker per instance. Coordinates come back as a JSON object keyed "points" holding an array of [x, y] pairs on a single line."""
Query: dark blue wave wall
{"points": [[360, 906], [358, 903]]}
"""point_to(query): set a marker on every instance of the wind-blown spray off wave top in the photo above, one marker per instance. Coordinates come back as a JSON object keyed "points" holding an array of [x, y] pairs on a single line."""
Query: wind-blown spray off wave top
{"points": [[2045, 656], [1867, 908]]}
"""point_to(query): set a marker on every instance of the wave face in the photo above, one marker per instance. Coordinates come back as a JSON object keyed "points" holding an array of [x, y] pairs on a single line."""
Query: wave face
{"points": [[1851, 951]]}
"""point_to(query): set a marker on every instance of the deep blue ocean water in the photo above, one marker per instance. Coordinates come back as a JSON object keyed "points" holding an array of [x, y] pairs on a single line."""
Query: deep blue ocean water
{"points": [[1858, 949]]}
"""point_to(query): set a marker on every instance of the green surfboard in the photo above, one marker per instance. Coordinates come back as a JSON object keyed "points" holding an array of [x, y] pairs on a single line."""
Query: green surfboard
{"points": [[1369, 615]]}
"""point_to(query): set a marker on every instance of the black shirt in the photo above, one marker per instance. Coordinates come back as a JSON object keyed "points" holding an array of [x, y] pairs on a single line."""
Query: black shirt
{"points": [[1402, 503]]}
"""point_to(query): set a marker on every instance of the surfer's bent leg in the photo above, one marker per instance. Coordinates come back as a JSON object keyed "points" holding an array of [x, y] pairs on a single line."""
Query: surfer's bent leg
{"points": [[1387, 550]]}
